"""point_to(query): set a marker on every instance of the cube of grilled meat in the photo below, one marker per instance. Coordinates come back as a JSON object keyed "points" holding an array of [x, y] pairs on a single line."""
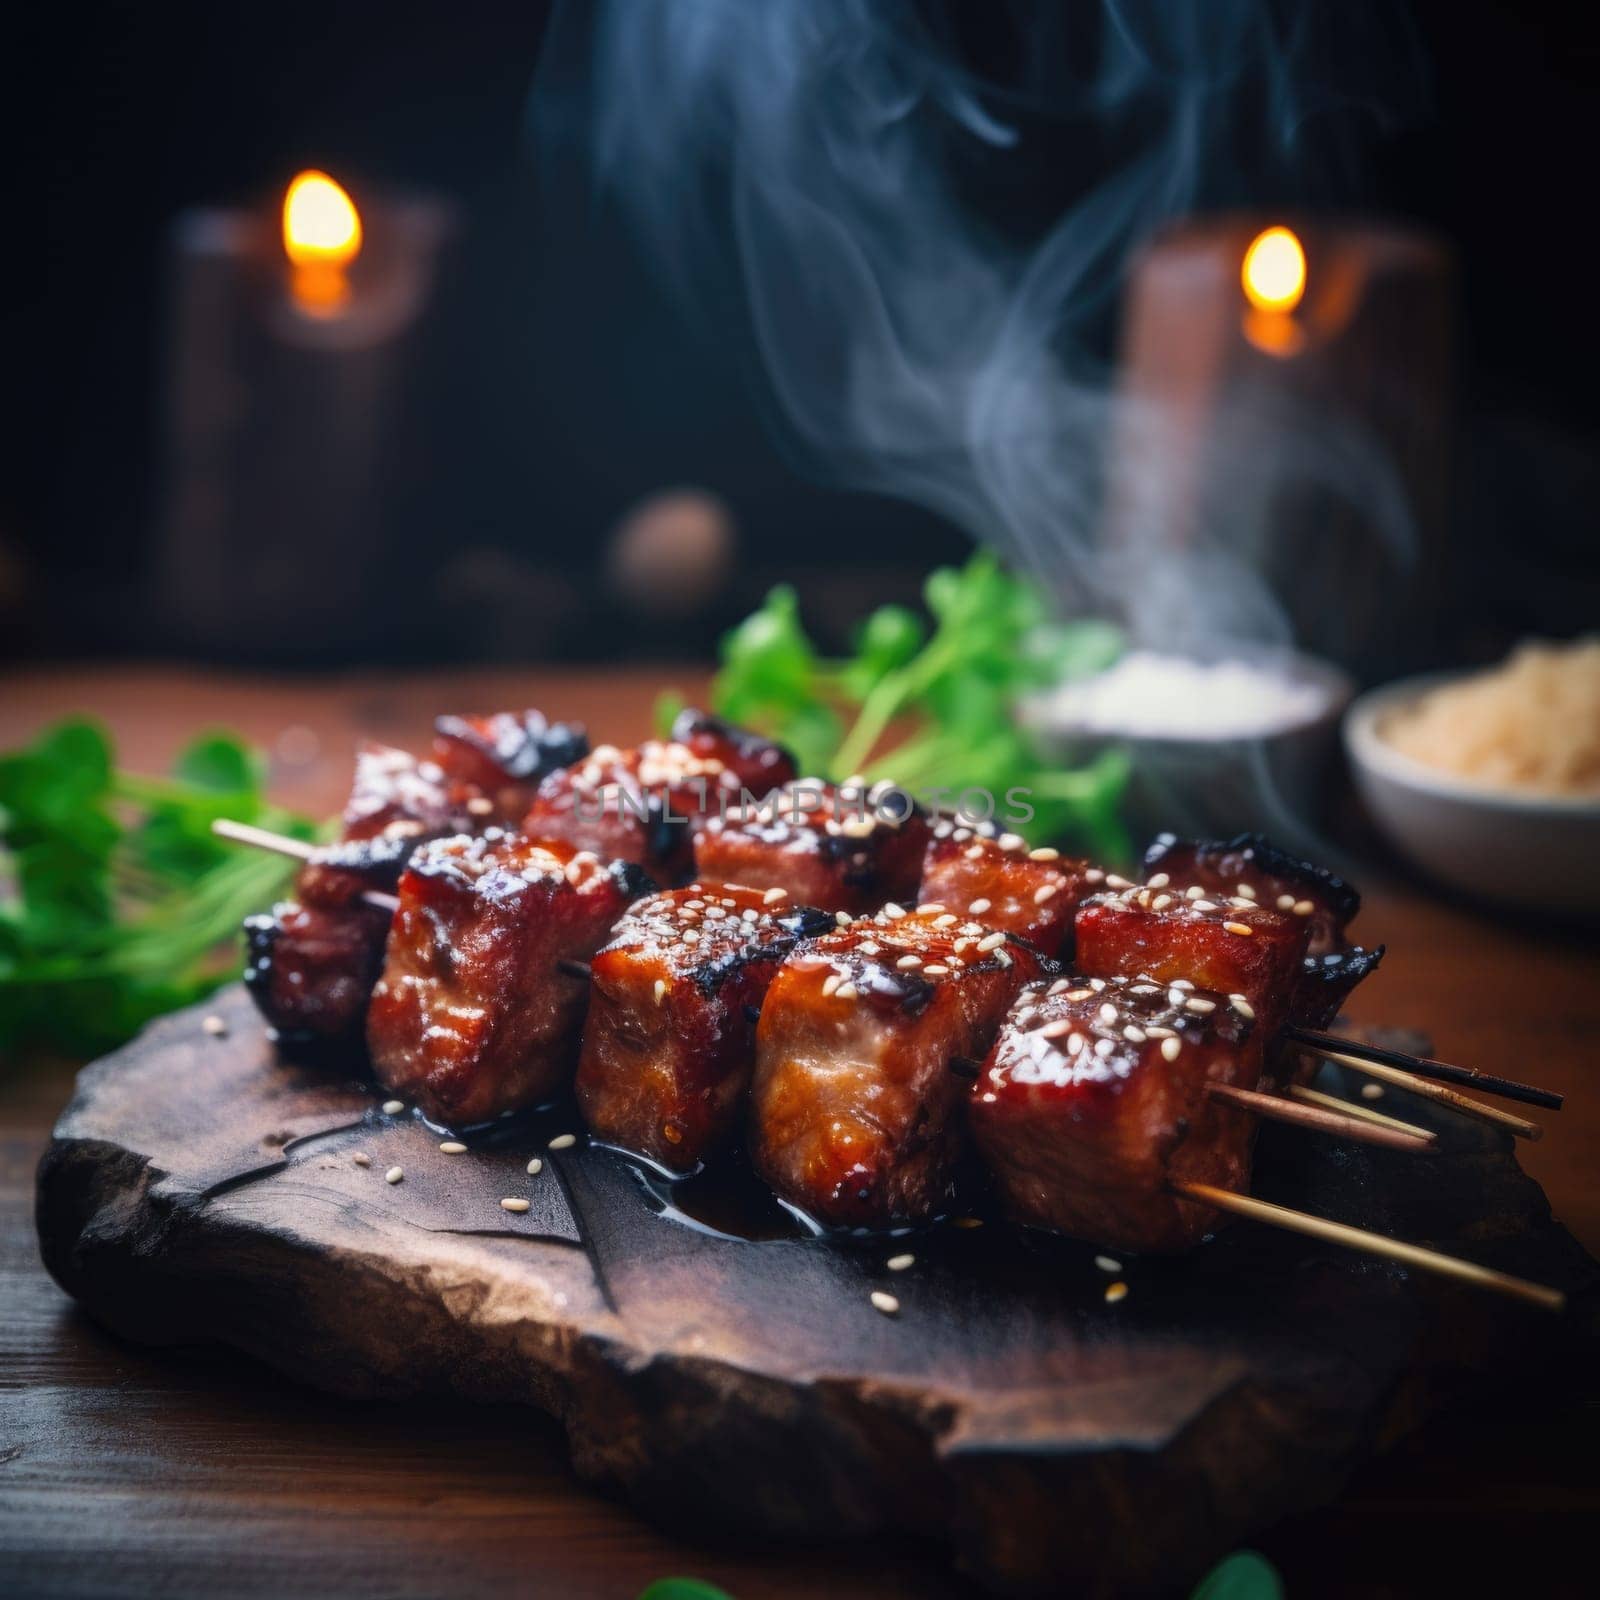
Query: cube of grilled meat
{"points": [[757, 764], [1094, 1098], [1001, 883], [634, 805], [669, 1041], [396, 794], [503, 757], [1252, 866], [854, 1108], [473, 1015], [310, 968], [1326, 982], [1178, 934], [843, 849]]}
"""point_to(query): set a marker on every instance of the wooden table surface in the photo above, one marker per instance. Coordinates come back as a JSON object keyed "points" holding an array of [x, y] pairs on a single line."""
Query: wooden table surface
{"points": [[198, 1472]]}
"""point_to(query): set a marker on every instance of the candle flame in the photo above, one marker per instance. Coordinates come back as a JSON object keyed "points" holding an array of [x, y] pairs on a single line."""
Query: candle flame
{"points": [[1274, 273], [321, 237]]}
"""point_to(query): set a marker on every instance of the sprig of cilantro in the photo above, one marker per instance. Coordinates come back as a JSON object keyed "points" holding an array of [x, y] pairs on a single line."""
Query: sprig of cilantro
{"points": [[116, 902], [934, 703]]}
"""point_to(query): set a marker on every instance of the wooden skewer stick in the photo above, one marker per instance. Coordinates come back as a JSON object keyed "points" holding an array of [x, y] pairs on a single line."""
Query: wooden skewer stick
{"points": [[1376, 1244], [1426, 1067], [1520, 1126], [1274, 1108], [1353, 1108], [281, 844]]}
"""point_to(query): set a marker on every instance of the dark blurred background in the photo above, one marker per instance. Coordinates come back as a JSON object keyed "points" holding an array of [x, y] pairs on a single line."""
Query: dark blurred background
{"points": [[557, 388]]}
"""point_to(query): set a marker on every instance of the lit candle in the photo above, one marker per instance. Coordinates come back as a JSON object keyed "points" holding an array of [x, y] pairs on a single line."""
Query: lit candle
{"points": [[293, 337]]}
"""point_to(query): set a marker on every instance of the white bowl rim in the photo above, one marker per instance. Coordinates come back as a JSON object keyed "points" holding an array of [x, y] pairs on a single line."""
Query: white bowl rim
{"points": [[1369, 749]]}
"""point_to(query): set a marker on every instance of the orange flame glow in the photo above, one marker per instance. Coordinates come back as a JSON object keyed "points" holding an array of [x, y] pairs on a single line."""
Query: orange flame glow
{"points": [[1274, 272], [321, 237]]}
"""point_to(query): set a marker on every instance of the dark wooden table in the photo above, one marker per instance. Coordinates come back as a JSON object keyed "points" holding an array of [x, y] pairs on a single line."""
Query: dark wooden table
{"points": [[196, 1472]]}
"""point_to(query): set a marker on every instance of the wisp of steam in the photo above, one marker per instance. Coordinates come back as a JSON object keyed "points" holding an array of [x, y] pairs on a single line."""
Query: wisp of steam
{"points": [[823, 172]]}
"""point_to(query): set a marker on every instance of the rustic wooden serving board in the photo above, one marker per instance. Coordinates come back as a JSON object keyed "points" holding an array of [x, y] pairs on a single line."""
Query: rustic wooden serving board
{"points": [[200, 1188]]}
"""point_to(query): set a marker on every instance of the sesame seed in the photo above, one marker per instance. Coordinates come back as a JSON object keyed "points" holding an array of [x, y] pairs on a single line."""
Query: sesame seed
{"points": [[660, 990], [1045, 891], [773, 895], [894, 911], [1115, 882], [1094, 875], [1203, 905], [1176, 996], [1133, 1034], [1242, 1006], [1003, 957], [1075, 1044], [869, 947], [1059, 986], [1162, 901], [1097, 984], [993, 942], [1245, 890], [1303, 908], [514, 1203], [453, 1147], [847, 991], [1372, 1091], [691, 936], [1286, 902], [1200, 1007], [1044, 853], [1011, 841], [1170, 1048], [936, 971], [362, 1159], [973, 852], [967, 1222], [1159, 881], [1108, 1012], [1115, 1292], [979, 906], [394, 1107], [886, 1303], [1056, 1029], [900, 1263], [842, 919], [831, 982], [1194, 892], [215, 1026], [948, 920], [535, 1167], [1078, 994], [562, 1141], [930, 907], [1104, 1047], [1183, 983], [1108, 1264], [394, 1175], [1239, 927], [906, 963]]}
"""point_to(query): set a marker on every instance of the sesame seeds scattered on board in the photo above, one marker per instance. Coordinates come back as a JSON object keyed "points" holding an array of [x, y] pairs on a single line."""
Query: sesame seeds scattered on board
{"points": [[1239, 928], [514, 1203], [394, 1175], [361, 1158], [1115, 1292], [886, 1303], [394, 1107], [901, 1262], [562, 1141], [215, 1026], [1170, 1048], [453, 1147], [535, 1167], [1108, 1264]]}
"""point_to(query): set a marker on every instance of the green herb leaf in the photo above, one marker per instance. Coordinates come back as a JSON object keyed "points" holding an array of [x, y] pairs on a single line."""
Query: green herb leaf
{"points": [[683, 1589]]}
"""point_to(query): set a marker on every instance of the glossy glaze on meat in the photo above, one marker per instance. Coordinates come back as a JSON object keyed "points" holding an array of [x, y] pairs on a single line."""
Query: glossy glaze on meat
{"points": [[473, 1015], [1093, 1100], [843, 849], [393, 792], [855, 1108], [635, 805], [1000, 882], [669, 1043], [757, 764], [310, 969], [1251, 865], [502, 758], [1177, 933]]}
